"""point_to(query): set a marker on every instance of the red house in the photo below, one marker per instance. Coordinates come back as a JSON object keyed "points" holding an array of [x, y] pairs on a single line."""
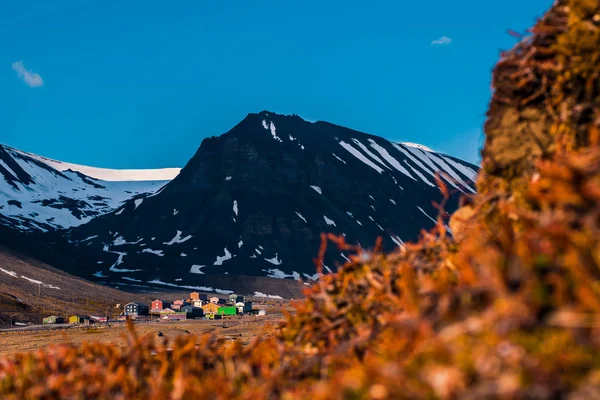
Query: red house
{"points": [[158, 306], [177, 304]]}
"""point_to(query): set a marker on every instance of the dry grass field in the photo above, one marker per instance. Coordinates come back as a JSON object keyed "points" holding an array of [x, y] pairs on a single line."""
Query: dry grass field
{"points": [[241, 328]]}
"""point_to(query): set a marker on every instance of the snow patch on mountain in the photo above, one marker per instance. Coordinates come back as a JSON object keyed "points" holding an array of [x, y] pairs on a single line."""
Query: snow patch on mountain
{"points": [[356, 153], [11, 273], [155, 252], [221, 259], [35, 196], [275, 260], [178, 239], [388, 157], [301, 217], [317, 189], [261, 294], [107, 174], [416, 145], [196, 269], [339, 158], [329, 221]]}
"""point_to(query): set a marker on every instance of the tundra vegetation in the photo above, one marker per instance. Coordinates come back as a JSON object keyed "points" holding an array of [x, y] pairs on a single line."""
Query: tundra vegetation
{"points": [[508, 306]]}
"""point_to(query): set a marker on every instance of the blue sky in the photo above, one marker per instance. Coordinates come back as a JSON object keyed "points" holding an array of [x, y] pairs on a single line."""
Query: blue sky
{"points": [[139, 84]]}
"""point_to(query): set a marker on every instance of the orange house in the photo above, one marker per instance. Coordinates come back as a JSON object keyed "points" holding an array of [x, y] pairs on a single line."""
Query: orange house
{"points": [[210, 308], [194, 296]]}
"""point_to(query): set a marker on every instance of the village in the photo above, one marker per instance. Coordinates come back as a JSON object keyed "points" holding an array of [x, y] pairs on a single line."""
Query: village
{"points": [[197, 306]]}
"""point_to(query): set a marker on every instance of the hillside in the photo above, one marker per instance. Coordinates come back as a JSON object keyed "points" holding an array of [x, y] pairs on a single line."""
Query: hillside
{"points": [[255, 200], [30, 289], [41, 194]]}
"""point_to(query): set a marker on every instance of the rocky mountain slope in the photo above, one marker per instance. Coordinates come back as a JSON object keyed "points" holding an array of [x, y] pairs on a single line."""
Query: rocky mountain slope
{"points": [[253, 202], [40, 194]]}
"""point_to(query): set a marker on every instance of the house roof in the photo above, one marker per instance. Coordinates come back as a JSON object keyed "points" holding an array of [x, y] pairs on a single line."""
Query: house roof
{"points": [[136, 304]]}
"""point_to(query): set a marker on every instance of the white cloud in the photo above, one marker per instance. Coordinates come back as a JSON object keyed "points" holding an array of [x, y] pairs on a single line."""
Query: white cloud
{"points": [[444, 40], [32, 79]]}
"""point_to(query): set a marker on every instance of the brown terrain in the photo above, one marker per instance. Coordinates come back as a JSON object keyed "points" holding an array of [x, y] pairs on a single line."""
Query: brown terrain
{"points": [[30, 290], [240, 328]]}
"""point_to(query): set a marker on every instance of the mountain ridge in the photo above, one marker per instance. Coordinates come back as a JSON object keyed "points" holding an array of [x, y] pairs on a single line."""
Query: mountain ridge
{"points": [[254, 200], [41, 194]]}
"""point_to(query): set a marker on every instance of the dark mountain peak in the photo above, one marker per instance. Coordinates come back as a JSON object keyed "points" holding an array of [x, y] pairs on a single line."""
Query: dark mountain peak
{"points": [[253, 201]]}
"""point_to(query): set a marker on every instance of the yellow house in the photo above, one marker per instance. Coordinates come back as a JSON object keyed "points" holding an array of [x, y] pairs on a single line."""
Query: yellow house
{"points": [[210, 308], [75, 319]]}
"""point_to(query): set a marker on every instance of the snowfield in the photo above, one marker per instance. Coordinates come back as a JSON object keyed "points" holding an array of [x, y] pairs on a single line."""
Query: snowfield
{"points": [[40, 194]]}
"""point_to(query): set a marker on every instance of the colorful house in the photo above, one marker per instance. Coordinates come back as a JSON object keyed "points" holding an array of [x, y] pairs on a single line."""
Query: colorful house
{"points": [[177, 304], [76, 319], [229, 310], [193, 312], [194, 296], [53, 319], [167, 311], [158, 306], [135, 309], [214, 300], [197, 303], [210, 308], [234, 298]]}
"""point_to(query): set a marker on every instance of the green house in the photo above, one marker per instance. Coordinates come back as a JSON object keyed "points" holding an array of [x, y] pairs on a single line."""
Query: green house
{"points": [[53, 319], [227, 310]]}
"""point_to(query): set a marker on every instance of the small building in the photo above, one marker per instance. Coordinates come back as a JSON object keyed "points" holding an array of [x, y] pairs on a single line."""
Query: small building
{"points": [[135, 309], [53, 319], [229, 310], [194, 296], [77, 319], [98, 319], [197, 303], [167, 311], [214, 300], [187, 309], [210, 308], [177, 304], [222, 302], [175, 316], [240, 307], [193, 312], [244, 307], [234, 298], [158, 306]]}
